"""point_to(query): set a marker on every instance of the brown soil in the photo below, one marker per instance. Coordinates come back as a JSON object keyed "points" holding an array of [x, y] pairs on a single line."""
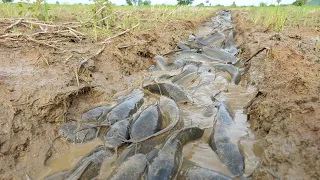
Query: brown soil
{"points": [[39, 90], [286, 113], [39, 87]]}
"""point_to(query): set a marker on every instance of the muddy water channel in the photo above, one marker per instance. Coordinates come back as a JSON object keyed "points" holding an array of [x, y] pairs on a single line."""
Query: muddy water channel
{"points": [[186, 121]]}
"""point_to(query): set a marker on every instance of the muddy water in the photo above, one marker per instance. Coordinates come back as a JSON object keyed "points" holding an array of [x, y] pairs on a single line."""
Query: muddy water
{"points": [[198, 151], [238, 97], [200, 87], [67, 155]]}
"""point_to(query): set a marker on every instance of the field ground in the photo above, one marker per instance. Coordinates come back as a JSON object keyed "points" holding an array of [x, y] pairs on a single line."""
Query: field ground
{"points": [[52, 71], [285, 114]]}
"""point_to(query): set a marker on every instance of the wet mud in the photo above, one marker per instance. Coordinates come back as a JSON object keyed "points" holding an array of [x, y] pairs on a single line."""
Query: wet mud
{"points": [[285, 113], [188, 109], [42, 87], [213, 113]]}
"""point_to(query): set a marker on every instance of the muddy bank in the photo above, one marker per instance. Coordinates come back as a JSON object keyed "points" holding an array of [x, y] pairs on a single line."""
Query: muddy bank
{"points": [[41, 87], [188, 113], [285, 115]]}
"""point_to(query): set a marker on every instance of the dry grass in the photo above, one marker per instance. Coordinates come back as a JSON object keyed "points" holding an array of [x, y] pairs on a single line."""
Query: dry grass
{"points": [[117, 18]]}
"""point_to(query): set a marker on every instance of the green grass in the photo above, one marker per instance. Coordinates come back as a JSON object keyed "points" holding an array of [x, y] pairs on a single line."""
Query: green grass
{"points": [[285, 16], [119, 18]]}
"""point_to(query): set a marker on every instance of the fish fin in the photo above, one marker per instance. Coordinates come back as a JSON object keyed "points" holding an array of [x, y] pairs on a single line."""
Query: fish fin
{"points": [[212, 144]]}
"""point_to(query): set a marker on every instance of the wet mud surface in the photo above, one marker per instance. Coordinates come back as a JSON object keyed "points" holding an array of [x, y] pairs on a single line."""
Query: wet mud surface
{"points": [[188, 109], [285, 114], [203, 111], [42, 87]]}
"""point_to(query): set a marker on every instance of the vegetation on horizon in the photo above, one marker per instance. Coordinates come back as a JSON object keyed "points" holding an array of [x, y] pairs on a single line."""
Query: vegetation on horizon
{"points": [[93, 23], [105, 19], [138, 2], [278, 17]]}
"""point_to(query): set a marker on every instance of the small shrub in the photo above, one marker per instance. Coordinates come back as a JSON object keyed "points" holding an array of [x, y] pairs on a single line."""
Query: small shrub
{"points": [[299, 2], [263, 4]]}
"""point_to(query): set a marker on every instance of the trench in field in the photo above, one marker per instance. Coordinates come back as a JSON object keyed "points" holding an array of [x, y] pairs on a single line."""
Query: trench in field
{"points": [[236, 96]]}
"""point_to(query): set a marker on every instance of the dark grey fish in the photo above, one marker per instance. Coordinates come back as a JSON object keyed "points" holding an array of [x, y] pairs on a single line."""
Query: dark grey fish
{"points": [[223, 21], [213, 40], [230, 44], [171, 121], [220, 142], [178, 64], [188, 69], [192, 171], [224, 114], [152, 154], [183, 46], [204, 69], [191, 38], [97, 114], [57, 176], [162, 63], [187, 80], [207, 23], [219, 54], [209, 110], [125, 109], [192, 56], [147, 123], [194, 45], [121, 99], [232, 51], [242, 70], [132, 169], [232, 70], [118, 133], [152, 68], [169, 159], [170, 90], [204, 30], [89, 166], [77, 132], [163, 78]]}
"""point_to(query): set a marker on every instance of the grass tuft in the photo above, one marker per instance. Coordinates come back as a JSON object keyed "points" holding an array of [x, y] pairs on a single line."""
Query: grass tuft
{"points": [[281, 16]]}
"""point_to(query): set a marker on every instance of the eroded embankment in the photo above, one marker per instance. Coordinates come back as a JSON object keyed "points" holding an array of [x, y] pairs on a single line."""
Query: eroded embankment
{"points": [[285, 115], [41, 87]]}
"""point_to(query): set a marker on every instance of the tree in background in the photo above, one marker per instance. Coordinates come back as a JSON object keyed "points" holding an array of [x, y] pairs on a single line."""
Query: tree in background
{"points": [[234, 4], [200, 5], [299, 2], [147, 3], [262, 4], [138, 2], [185, 2], [131, 2], [7, 1]]}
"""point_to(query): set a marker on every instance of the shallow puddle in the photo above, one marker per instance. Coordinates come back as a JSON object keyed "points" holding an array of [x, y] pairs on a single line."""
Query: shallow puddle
{"points": [[68, 154], [237, 97]]}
